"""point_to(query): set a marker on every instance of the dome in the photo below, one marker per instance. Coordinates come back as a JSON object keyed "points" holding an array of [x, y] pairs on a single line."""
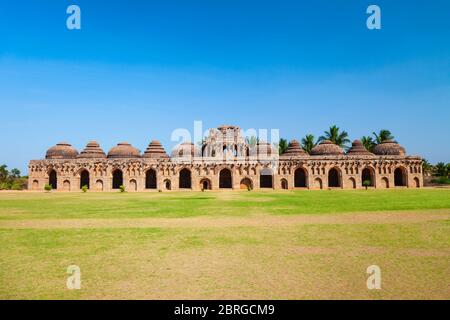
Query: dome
{"points": [[124, 150], [155, 150], [326, 148], [62, 150], [389, 147], [294, 150], [92, 150], [358, 149], [185, 149]]}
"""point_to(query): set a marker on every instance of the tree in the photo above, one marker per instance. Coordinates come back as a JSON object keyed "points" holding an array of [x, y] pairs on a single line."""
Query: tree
{"points": [[368, 143], [282, 146], [335, 136], [366, 183], [3, 172], [252, 141], [308, 143], [15, 173], [427, 167], [441, 169], [383, 135]]}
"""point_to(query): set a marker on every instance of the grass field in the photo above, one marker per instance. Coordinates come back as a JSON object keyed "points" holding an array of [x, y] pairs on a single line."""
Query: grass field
{"points": [[233, 245]]}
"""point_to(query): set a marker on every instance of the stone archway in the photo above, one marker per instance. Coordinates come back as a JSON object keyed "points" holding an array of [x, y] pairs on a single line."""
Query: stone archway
{"points": [[416, 182], [205, 184], [35, 185], [284, 184], [150, 179], [53, 179], [266, 178], [225, 179], [185, 181], [84, 178], [246, 183], [368, 174], [385, 183], [167, 184], [334, 179], [133, 185], [99, 185], [300, 178], [117, 179], [318, 183], [352, 182], [66, 185], [400, 177]]}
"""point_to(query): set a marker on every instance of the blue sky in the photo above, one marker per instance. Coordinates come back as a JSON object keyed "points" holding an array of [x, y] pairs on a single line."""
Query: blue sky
{"points": [[137, 70]]}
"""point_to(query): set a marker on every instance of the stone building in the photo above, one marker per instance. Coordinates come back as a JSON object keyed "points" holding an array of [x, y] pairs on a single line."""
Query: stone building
{"points": [[225, 161]]}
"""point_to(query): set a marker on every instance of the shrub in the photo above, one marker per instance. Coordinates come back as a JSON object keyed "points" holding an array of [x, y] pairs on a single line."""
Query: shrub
{"points": [[48, 187], [84, 188], [122, 188], [366, 183], [441, 180], [249, 188]]}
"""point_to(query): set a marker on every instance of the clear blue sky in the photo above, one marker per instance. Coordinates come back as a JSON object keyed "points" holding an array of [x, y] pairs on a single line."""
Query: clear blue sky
{"points": [[139, 69]]}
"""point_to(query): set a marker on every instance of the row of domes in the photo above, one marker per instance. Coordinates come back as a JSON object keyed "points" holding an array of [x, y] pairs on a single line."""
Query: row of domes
{"points": [[156, 151], [122, 150], [326, 147]]}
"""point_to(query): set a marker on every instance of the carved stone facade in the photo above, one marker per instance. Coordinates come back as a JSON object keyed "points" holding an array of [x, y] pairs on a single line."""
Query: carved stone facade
{"points": [[225, 161]]}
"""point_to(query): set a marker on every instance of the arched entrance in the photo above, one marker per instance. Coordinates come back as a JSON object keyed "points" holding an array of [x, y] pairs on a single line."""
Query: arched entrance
{"points": [[400, 177], [300, 178], [246, 183], [35, 185], [225, 181], [167, 184], [334, 180], [367, 175], [385, 183], [53, 179], [84, 179], [205, 184], [133, 185], [99, 185], [185, 179], [66, 185], [417, 182], [266, 178], [284, 184], [352, 183], [117, 179], [150, 179], [318, 183]]}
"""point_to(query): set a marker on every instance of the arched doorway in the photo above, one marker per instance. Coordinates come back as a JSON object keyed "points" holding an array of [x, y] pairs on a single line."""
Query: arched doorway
{"points": [[400, 177], [334, 180], [225, 181], [185, 179], [367, 175], [284, 184], [205, 184], [266, 178], [318, 183], [35, 185], [246, 183], [150, 179], [53, 179], [300, 178], [117, 179], [385, 183], [133, 185], [417, 182], [352, 183], [167, 184], [66, 185], [99, 185], [84, 179]]}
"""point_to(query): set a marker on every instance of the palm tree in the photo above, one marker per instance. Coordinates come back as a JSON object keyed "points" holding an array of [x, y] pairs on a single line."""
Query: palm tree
{"points": [[427, 167], [368, 143], [339, 138], [252, 141], [383, 135], [282, 146], [441, 169], [308, 143]]}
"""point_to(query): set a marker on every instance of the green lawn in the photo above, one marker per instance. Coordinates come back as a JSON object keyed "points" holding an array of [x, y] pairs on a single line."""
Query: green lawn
{"points": [[234, 245]]}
